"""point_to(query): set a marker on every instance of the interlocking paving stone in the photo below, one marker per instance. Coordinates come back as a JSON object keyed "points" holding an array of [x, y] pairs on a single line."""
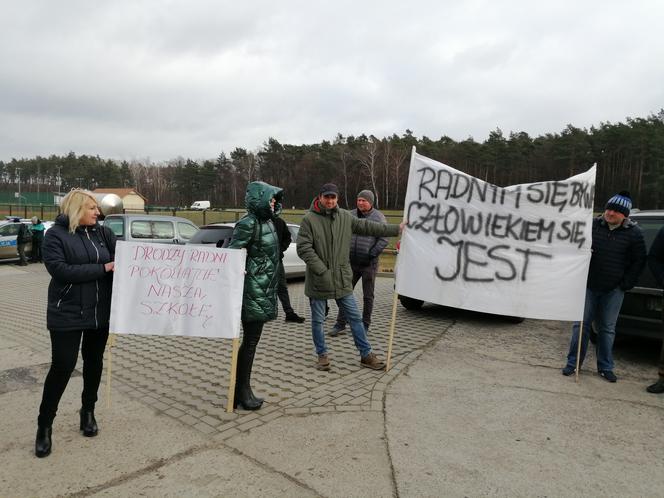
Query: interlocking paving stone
{"points": [[228, 433], [348, 408], [187, 377], [322, 409], [250, 425], [270, 416], [174, 412], [297, 411], [205, 428]]}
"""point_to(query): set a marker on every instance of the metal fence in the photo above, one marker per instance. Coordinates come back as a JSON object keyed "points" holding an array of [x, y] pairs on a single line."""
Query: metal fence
{"points": [[42, 211], [49, 212]]}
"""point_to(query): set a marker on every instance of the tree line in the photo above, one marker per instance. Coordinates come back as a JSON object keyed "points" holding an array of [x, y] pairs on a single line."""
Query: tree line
{"points": [[629, 155]]}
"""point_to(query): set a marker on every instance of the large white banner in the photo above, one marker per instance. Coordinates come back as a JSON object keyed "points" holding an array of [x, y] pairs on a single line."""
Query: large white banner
{"points": [[161, 289], [522, 250]]}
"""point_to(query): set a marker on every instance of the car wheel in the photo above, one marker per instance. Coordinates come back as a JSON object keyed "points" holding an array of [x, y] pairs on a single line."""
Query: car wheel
{"points": [[514, 319], [411, 304]]}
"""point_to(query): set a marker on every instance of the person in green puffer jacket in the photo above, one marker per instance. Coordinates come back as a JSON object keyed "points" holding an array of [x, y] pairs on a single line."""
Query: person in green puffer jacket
{"points": [[323, 243], [255, 232]]}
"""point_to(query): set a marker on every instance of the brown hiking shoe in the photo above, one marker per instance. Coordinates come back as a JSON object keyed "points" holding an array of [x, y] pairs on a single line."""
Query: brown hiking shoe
{"points": [[372, 361], [323, 362]]}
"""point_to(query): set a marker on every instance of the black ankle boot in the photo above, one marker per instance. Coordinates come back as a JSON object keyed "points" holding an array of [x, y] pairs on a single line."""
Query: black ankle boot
{"points": [[88, 423], [43, 442], [245, 398]]}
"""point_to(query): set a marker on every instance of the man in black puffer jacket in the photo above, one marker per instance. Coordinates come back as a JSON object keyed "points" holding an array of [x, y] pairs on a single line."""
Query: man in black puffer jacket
{"points": [[618, 257]]}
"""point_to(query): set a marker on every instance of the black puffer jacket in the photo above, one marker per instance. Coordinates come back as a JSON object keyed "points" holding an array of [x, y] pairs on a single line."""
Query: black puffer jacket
{"points": [[283, 234], [618, 256], [79, 295]]}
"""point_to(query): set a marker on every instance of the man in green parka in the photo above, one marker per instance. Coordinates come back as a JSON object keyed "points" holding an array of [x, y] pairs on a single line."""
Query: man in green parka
{"points": [[255, 232], [323, 243]]}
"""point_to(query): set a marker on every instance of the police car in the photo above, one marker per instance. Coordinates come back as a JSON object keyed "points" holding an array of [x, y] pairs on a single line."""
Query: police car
{"points": [[8, 232]]}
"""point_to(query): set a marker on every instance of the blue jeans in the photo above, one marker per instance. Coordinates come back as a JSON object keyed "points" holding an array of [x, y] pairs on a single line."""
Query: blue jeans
{"points": [[354, 317], [602, 307]]}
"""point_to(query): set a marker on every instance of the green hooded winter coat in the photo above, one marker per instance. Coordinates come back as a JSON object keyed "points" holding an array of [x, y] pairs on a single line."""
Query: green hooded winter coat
{"points": [[255, 232], [323, 243]]}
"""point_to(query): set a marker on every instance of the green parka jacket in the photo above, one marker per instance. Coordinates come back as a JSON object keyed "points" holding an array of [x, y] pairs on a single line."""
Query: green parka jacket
{"points": [[323, 243], [255, 232]]}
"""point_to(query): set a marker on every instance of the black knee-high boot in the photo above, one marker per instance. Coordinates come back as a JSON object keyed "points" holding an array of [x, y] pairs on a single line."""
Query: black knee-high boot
{"points": [[244, 396]]}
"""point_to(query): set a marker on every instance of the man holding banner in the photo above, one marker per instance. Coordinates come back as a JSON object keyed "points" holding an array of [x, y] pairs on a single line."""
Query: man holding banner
{"points": [[618, 257], [364, 254], [323, 243]]}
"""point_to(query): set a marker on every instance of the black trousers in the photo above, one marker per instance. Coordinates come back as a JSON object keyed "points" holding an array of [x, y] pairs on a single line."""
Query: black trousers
{"points": [[661, 353], [64, 353], [368, 276], [282, 289], [36, 249], [251, 335]]}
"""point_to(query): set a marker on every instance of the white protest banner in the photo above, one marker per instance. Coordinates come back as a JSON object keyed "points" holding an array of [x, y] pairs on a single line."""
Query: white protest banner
{"points": [[161, 289], [522, 250]]}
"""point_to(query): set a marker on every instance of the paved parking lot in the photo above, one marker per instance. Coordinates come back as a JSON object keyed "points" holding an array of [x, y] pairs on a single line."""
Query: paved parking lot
{"points": [[474, 406], [186, 378]]}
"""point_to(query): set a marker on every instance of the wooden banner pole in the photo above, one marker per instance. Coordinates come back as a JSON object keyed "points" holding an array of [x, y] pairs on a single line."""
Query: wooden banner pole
{"points": [[109, 346], [395, 298], [578, 352], [231, 383], [392, 324]]}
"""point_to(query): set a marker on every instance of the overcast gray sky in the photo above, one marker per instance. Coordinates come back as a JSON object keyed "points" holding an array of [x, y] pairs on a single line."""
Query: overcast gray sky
{"points": [[132, 79]]}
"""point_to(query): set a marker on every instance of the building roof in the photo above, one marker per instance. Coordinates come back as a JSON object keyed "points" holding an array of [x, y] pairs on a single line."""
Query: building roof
{"points": [[120, 192]]}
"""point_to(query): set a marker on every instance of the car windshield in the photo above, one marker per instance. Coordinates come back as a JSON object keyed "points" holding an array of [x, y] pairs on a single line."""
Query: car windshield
{"points": [[649, 226], [211, 235]]}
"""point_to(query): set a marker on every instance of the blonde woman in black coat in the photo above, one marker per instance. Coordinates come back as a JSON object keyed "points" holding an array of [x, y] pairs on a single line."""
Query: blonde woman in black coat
{"points": [[78, 253]]}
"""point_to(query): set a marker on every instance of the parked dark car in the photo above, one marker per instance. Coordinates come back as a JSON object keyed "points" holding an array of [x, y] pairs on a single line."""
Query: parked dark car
{"points": [[641, 312]]}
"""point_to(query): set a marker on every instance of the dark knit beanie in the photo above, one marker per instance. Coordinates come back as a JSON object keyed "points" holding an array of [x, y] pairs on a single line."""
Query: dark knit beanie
{"points": [[620, 203], [368, 196]]}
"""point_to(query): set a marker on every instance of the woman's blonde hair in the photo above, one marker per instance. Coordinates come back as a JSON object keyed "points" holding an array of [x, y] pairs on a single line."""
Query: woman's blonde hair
{"points": [[74, 205]]}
